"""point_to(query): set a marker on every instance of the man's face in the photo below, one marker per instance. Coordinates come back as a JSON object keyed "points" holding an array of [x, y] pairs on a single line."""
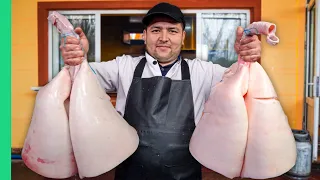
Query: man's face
{"points": [[164, 39]]}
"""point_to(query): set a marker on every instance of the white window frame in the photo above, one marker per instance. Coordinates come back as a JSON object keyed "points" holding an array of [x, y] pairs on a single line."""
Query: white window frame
{"points": [[199, 49], [98, 14]]}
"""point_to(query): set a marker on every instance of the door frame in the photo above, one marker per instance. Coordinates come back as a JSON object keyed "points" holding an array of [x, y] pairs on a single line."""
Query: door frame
{"points": [[312, 100]]}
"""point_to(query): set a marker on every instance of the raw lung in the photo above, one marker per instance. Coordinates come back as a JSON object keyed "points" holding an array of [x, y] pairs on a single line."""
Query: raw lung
{"points": [[47, 148]]}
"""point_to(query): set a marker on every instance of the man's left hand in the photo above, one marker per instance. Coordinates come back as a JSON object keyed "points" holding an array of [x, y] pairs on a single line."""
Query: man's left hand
{"points": [[248, 48]]}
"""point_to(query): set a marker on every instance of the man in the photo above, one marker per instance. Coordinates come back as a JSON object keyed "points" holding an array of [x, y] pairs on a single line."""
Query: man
{"points": [[160, 94]]}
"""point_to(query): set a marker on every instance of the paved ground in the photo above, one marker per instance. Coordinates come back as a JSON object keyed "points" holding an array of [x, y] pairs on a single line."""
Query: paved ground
{"points": [[20, 172]]}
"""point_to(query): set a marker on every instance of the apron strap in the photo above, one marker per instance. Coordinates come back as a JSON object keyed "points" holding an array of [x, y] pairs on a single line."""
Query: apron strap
{"points": [[139, 69], [185, 73]]}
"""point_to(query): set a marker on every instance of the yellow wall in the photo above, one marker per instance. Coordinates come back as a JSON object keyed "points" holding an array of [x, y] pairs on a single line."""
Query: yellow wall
{"points": [[282, 63]]}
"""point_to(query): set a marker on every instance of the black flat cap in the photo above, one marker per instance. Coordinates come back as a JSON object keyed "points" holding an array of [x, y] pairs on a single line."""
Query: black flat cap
{"points": [[164, 9]]}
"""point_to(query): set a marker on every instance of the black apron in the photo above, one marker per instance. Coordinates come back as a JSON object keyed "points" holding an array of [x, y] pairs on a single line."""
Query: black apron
{"points": [[162, 112]]}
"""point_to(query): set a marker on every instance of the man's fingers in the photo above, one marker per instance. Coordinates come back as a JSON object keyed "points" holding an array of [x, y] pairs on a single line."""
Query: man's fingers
{"points": [[249, 49], [249, 39], [72, 40], [80, 32], [73, 61], [255, 51], [71, 47], [69, 40], [250, 58], [83, 37], [239, 33], [251, 45], [72, 54]]}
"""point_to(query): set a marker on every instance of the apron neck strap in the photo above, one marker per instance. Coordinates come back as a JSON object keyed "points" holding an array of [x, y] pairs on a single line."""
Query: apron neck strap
{"points": [[184, 69], [139, 69]]}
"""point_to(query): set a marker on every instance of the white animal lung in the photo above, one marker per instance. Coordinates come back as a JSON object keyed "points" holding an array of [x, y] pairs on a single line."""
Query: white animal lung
{"points": [[220, 138], [271, 148], [244, 131], [94, 140], [47, 148], [101, 138]]}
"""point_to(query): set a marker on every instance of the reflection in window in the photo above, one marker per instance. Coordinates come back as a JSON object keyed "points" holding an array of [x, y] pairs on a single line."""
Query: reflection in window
{"points": [[218, 34]]}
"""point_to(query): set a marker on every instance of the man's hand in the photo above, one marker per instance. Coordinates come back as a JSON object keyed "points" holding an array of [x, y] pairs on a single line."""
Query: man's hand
{"points": [[71, 49], [249, 48]]}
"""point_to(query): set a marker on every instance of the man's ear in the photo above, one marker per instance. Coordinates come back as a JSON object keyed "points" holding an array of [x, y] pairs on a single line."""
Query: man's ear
{"points": [[144, 36], [183, 37]]}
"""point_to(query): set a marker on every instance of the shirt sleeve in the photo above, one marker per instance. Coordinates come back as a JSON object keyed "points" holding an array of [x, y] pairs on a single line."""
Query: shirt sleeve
{"points": [[217, 74], [107, 74], [210, 75]]}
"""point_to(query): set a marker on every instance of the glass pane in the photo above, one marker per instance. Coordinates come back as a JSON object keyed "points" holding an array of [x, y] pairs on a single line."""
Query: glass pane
{"points": [[218, 34], [189, 48], [87, 24], [190, 28], [115, 29]]}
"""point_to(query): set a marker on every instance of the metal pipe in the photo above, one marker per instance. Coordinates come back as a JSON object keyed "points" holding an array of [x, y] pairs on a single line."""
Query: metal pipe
{"points": [[307, 72], [316, 96]]}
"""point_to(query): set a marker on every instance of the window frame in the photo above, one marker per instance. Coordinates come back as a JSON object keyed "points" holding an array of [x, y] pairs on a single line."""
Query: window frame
{"points": [[53, 46]]}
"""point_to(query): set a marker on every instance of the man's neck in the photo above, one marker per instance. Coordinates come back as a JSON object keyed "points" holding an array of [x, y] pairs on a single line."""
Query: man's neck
{"points": [[167, 63], [164, 63]]}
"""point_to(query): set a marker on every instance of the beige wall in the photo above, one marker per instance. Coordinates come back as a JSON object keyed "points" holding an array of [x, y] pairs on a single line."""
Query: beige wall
{"points": [[283, 63]]}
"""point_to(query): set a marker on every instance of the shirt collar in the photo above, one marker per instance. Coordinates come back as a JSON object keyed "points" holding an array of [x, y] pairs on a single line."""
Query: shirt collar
{"points": [[150, 59]]}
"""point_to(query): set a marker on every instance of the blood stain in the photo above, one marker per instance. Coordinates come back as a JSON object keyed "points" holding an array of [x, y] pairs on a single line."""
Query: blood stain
{"points": [[45, 161]]}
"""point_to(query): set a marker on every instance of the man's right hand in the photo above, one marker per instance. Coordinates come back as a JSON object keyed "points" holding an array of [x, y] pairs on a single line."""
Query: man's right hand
{"points": [[71, 49]]}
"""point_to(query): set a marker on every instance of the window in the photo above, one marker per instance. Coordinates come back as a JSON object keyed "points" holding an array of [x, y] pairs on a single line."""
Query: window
{"points": [[210, 35], [217, 34], [100, 9], [88, 23]]}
